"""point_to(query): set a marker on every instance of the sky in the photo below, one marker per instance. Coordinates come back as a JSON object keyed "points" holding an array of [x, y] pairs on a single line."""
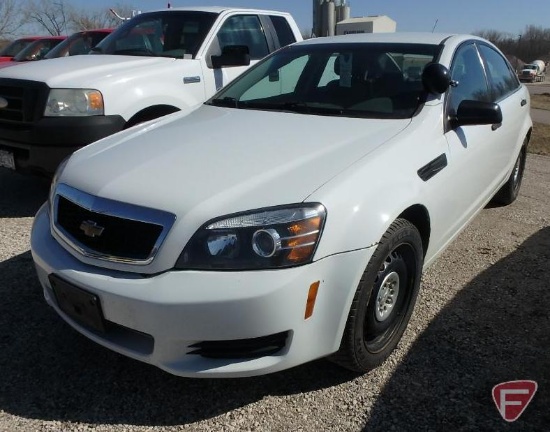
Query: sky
{"points": [[463, 16]]}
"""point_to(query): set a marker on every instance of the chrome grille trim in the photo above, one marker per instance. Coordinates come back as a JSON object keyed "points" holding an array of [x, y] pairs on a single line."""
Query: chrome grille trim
{"points": [[108, 207]]}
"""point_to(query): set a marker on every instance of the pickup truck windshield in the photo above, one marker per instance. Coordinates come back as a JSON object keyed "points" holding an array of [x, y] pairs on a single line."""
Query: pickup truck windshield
{"points": [[159, 34], [374, 80]]}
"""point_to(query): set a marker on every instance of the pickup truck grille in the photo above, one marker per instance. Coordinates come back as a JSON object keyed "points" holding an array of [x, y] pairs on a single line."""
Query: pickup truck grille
{"points": [[109, 230], [25, 100]]}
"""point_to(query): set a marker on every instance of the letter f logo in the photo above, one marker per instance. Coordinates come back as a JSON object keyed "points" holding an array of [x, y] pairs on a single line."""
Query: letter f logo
{"points": [[512, 397]]}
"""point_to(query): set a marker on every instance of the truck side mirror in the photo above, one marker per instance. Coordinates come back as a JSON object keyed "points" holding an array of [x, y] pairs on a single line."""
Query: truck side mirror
{"points": [[232, 55]]}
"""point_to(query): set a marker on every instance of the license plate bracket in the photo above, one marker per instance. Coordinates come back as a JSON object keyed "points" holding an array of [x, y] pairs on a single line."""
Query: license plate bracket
{"points": [[79, 304], [7, 160]]}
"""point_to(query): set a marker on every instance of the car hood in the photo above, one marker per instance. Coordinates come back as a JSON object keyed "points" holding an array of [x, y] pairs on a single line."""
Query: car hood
{"points": [[224, 160], [83, 70]]}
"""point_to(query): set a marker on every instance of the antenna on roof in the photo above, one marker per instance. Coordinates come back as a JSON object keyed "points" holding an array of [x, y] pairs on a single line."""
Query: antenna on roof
{"points": [[435, 25], [118, 16]]}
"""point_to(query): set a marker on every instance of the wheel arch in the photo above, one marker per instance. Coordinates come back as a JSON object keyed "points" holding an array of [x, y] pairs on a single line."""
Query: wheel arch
{"points": [[150, 113], [419, 216]]}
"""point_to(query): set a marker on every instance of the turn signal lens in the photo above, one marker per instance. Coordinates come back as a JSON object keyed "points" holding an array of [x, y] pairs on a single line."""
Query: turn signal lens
{"points": [[311, 297]]}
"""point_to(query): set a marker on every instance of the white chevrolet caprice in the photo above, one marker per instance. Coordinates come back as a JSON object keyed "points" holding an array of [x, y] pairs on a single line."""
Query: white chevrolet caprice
{"points": [[291, 216]]}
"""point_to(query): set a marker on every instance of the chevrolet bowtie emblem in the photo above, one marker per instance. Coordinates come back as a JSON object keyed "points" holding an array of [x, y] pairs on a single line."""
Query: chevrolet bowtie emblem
{"points": [[3, 103], [91, 228]]}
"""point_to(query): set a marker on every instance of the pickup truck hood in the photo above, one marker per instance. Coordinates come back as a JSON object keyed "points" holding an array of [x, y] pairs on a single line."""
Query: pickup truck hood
{"points": [[82, 71], [224, 160]]}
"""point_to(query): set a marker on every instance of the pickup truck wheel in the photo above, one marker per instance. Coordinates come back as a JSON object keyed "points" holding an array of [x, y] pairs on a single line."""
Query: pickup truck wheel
{"points": [[508, 193], [384, 300]]}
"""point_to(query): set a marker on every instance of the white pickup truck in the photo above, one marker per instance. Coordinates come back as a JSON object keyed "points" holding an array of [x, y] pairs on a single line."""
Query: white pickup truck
{"points": [[155, 64]]}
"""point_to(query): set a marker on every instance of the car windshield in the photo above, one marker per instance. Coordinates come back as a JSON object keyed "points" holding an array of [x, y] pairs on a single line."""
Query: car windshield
{"points": [[78, 43], [36, 50], [159, 34], [374, 80], [13, 48]]}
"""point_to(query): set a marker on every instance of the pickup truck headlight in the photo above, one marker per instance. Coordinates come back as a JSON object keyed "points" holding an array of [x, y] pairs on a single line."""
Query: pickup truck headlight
{"points": [[74, 102], [263, 239]]}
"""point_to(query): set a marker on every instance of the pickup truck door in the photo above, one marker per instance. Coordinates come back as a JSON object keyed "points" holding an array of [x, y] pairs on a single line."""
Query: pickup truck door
{"points": [[235, 30]]}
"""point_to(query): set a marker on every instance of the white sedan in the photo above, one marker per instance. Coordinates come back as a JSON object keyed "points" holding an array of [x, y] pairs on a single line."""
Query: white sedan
{"points": [[291, 216]]}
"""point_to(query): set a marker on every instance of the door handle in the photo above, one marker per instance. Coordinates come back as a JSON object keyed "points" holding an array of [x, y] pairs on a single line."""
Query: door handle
{"points": [[523, 102]]}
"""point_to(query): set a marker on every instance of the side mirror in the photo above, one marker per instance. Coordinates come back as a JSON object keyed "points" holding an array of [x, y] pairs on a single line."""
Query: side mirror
{"points": [[232, 55], [436, 78], [472, 112]]}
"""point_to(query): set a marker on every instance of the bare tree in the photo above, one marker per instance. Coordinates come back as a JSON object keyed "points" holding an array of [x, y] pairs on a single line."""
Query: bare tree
{"points": [[99, 18], [10, 17], [49, 15]]}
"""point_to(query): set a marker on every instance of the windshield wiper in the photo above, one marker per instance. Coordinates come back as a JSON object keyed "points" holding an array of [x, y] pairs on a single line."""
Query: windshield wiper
{"points": [[136, 52], [297, 107], [96, 49]]}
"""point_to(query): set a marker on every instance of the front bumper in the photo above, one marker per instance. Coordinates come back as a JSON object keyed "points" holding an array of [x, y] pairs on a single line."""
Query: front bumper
{"points": [[40, 146], [162, 319]]}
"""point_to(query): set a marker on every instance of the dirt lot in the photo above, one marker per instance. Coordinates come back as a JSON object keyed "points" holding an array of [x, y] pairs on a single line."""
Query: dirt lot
{"points": [[482, 318]]}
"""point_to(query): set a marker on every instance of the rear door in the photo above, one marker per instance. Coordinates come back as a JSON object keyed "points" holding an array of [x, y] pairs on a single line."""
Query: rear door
{"points": [[512, 99]]}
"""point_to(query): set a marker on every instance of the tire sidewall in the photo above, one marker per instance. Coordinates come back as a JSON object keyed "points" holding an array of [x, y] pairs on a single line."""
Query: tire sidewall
{"points": [[405, 234]]}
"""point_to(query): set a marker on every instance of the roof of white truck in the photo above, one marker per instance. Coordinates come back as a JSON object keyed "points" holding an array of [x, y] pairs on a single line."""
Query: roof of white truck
{"points": [[218, 9]]}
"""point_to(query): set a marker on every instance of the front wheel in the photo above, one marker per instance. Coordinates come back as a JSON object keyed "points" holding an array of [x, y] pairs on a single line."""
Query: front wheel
{"points": [[384, 299]]}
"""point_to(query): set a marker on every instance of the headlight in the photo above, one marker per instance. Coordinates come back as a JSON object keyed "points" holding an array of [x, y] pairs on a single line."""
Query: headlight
{"points": [[262, 239], [74, 102]]}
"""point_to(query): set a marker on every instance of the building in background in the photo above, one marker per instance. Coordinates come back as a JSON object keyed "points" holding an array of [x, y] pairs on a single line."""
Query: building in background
{"points": [[370, 24], [326, 13], [332, 17]]}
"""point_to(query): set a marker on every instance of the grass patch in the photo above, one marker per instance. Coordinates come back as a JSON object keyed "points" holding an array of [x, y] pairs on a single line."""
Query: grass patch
{"points": [[540, 139], [541, 101]]}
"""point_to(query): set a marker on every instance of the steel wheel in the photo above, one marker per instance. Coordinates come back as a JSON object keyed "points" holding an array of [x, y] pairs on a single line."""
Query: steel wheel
{"points": [[384, 299]]}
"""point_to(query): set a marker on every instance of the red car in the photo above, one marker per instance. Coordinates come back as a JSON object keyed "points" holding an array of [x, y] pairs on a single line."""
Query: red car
{"points": [[36, 50], [79, 43], [13, 48]]}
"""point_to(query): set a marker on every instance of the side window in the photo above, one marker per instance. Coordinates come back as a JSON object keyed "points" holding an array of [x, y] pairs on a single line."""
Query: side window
{"points": [[503, 81], [469, 75], [281, 82], [284, 32], [244, 30]]}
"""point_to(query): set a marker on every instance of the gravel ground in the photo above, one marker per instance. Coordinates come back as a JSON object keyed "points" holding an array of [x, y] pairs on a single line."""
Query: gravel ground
{"points": [[482, 318]]}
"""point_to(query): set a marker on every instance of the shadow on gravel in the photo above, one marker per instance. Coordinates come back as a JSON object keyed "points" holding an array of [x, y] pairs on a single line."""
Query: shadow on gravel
{"points": [[497, 329], [21, 196], [50, 372]]}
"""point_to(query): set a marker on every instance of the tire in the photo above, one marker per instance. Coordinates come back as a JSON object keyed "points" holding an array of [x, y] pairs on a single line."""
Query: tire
{"points": [[508, 193], [384, 299]]}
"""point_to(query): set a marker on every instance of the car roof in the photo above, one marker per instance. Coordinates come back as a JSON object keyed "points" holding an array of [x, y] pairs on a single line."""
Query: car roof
{"points": [[416, 38]]}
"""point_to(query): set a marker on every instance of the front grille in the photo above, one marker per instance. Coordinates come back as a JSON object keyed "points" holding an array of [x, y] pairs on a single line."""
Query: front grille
{"points": [[107, 229], [241, 348], [119, 237], [25, 100]]}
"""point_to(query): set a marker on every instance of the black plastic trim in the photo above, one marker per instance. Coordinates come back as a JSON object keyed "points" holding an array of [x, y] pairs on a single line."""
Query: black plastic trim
{"points": [[433, 167]]}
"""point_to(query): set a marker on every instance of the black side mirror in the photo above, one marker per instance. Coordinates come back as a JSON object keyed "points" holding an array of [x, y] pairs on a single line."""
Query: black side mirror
{"points": [[436, 78], [232, 55], [472, 112]]}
